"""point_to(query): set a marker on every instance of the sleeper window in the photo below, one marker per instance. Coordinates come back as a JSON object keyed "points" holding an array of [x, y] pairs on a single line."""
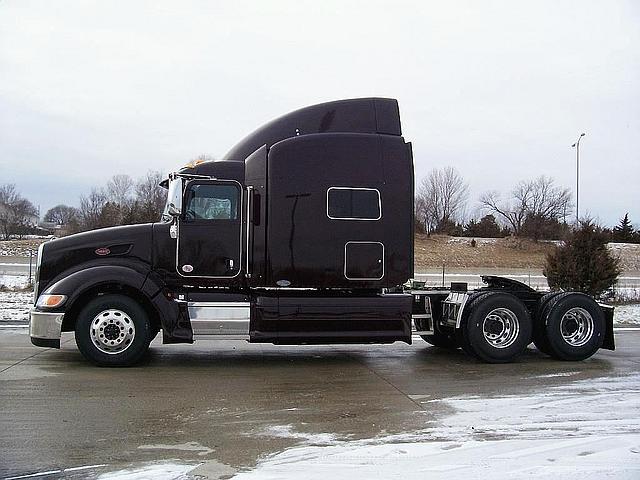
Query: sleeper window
{"points": [[346, 203], [212, 202]]}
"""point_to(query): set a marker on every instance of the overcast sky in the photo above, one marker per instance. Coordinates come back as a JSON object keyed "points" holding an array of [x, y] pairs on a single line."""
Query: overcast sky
{"points": [[500, 90]]}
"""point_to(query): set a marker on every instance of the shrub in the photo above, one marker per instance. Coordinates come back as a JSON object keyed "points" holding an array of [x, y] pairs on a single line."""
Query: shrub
{"points": [[487, 227], [538, 227], [583, 262]]}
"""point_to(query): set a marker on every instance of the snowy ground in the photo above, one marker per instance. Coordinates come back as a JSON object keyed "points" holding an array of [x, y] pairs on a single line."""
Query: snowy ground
{"points": [[588, 429], [13, 281], [627, 314], [567, 431], [14, 307]]}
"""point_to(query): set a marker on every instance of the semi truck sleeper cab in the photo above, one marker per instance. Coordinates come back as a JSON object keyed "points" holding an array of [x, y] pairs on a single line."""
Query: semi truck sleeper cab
{"points": [[301, 234]]}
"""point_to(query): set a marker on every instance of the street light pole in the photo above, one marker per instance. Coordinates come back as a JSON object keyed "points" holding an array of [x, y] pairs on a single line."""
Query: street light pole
{"points": [[577, 147]]}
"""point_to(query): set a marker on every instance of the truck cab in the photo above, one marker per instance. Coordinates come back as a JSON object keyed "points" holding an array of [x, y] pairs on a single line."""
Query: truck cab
{"points": [[301, 234]]}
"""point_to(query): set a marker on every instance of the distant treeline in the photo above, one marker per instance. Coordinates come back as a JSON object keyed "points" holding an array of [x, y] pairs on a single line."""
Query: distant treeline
{"points": [[537, 209], [122, 201]]}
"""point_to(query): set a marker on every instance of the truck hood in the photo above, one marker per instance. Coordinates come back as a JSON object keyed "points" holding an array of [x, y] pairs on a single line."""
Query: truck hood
{"points": [[123, 245]]}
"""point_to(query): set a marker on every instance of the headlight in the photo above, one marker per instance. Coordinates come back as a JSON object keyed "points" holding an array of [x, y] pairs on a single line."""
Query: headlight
{"points": [[50, 301]]}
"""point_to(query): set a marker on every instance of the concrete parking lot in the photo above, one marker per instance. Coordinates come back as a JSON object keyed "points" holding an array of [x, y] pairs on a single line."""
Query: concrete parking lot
{"points": [[215, 410]]}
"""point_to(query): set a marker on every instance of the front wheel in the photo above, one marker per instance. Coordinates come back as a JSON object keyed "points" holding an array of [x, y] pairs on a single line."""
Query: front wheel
{"points": [[113, 330]]}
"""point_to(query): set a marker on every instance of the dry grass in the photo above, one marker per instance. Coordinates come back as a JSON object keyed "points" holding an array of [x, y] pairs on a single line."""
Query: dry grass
{"points": [[432, 252]]}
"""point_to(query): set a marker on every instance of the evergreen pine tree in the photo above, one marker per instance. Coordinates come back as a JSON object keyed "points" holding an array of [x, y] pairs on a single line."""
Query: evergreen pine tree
{"points": [[624, 231], [583, 263]]}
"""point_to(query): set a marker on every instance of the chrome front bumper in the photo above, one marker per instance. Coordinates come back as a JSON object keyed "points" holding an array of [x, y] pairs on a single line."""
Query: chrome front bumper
{"points": [[45, 328]]}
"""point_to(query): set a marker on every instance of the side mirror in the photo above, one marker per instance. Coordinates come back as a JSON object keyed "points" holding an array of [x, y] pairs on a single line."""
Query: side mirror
{"points": [[173, 210]]}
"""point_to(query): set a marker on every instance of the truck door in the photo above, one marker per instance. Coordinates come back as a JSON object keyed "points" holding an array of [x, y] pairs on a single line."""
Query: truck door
{"points": [[210, 229]]}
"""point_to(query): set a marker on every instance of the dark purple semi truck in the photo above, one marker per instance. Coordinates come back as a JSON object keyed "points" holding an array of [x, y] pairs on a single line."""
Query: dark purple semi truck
{"points": [[301, 234]]}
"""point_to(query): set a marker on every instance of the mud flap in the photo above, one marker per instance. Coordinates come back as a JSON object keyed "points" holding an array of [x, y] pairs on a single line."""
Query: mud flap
{"points": [[609, 342], [173, 315], [177, 328]]}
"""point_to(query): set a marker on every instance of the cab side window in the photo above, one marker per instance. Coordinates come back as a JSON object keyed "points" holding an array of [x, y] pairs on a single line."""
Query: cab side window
{"points": [[212, 202], [351, 203]]}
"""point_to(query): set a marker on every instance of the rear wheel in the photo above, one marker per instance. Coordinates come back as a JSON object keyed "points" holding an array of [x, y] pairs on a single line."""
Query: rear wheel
{"points": [[113, 330], [539, 332], [497, 328], [574, 326]]}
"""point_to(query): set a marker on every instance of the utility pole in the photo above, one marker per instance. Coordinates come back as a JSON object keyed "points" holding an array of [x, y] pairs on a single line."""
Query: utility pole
{"points": [[577, 147]]}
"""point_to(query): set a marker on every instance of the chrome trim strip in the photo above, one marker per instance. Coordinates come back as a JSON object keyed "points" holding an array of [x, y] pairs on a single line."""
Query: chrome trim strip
{"points": [[249, 200], [219, 304], [205, 336], [345, 261], [46, 325], [36, 281], [356, 218]]}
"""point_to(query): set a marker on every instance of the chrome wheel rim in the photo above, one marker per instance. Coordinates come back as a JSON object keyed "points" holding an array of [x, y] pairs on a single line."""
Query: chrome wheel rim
{"points": [[112, 331], [500, 328], [576, 326]]}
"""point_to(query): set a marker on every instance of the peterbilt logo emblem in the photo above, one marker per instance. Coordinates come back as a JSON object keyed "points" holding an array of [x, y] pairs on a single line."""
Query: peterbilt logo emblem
{"points": [[103, 251]]}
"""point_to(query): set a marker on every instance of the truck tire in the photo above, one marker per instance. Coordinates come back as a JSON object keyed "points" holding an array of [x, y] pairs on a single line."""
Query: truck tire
{"points": [[574, 326], [461, 336], [113, 331], [539, 332], [497, 328]]}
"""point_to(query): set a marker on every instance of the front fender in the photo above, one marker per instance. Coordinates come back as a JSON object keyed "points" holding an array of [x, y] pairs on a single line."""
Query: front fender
{"points": [[173, 318], [77, 283]]}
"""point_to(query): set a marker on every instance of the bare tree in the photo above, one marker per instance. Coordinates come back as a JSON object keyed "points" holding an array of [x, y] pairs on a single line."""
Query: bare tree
{"points": [[91, 208], [150, 197], [539, 198], [61, 215], [122, 202], [120, 189], [441, 198], [16, 212]]}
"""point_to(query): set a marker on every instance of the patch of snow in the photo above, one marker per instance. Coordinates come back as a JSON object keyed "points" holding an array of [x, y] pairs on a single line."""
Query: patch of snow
{"points": [[552, 459], [559, 432], [186, 447], [467, 240], [626, 294], [165, 470], [624, 246], [576, 409], [287, 431], [15, 306], [552, 375], [627, 314], [14, 281], [7, 249]]}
